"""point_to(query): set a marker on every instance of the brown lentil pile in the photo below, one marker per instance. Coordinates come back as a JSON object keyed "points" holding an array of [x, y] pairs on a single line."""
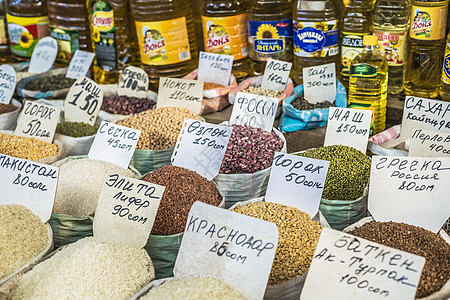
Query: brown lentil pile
{"points": [[124, 105], [418, 241], [348, 173], [183, 188], [25, 147], [303, 104], [50, 83], [297, 239], [160, 127], [264, 92], [250, 150], [6, 108], [76, 129]]}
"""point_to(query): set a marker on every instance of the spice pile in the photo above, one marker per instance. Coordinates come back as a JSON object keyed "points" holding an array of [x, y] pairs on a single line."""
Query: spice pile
{"points": [[418, 241], [25, 147], [50, 83], [303, 104], [6, 108], [124, 105], [76, 129], [264, 92], [183, 188], [297, 240]]}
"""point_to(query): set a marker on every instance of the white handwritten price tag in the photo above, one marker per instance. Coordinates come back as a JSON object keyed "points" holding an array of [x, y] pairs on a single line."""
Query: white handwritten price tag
{"points": [[349, 267], [126, 210], [180, 93], [80, 64], [254, 110], [201, 146], [429, 143], [276, 75], [349, 127], [28, 183], [43, 56], [237, 249], [114, 143], [133, 82], [215, 68], [319, 83], [425, 114], [7, 83], [83, 102], [297, 181], [37, 120], [413, 190]]}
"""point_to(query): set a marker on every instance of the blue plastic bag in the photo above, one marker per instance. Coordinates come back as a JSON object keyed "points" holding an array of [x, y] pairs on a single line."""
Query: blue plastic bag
{"points": [[293, 119]]}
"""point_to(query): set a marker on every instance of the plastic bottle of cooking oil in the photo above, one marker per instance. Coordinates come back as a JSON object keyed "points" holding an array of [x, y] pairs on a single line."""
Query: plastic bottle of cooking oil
{"points": [[270, 32], [427, 39], [4, 41], [391, 23], [166, 37], [357, 23], [316, 36], [224, 25], [444, 90], [368, 83]]}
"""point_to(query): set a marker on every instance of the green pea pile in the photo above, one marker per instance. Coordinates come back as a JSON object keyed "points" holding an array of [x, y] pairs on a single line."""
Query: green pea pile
{"points": [[348, 173], [76, 129]]}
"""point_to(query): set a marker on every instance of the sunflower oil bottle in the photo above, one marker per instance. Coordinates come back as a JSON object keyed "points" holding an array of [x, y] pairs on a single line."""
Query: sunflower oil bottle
{"points": [[444, 90], [356, 23], [224, 25], [166, 37], [316, 36], [269, 25], [4, 41], [368, 83], [197, 12], [427, 39]]}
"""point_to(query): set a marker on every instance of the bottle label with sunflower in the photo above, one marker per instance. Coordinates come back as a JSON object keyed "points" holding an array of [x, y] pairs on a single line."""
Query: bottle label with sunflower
{"points": [[68, 43], [392, 45], [25, 33], [428, 23], [316, 39], [352, 45], [269, 37], [446, 67], [163, 42], [226, 35], [103, 35]]}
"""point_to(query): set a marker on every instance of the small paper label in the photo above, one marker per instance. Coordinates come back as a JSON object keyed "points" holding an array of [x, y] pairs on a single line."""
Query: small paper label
{"points": [[276, 75], [133, 82], [215, 68], [114, 143], [429, 143], [83, 102], [126, 210], [425, 114], [349, 127], [201, 146], [28, 183], [319, 83], [38, 120], [349, 267], [254, 110], [412, 190], [234, 248], [7, 83], [175, 92], [44, 55], [297, 181], [79, 65]]}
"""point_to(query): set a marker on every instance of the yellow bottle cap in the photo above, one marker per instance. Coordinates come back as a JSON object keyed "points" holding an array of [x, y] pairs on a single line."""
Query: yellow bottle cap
{"points": [[370, 40]]}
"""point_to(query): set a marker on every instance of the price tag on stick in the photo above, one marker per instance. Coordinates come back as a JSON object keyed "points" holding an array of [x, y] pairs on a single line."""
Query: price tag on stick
{"points": [[83, 102], [29, 183], [126, 210], [80, 64], [37, 120], [215, 68], [349, 127], [276, 75], [7, 83], [237, 249], [133, 82], [429, 143], [201, 146], [175, 92], [44, 55], [319, 83], [349, 267]]}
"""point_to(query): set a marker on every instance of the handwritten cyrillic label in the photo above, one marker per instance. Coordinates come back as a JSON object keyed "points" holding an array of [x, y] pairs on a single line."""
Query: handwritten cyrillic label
{"points": [[243, 247], [133, 82], [83, 102], [43, 56], [80, 64], [7, 83], [180, 93], [429, 143], [319, 83], [276, 75], [215, 68]]}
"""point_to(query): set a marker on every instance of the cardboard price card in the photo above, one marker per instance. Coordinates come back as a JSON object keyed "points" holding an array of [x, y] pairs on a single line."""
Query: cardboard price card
{"points": [[201, 146], [215, 68], [133, 82], [28, 183], [7, 83], [83, 102], [80, 64], [276, 75], [175, 92], [412, 190], [44, 55], [349, 127], [37, 120], [237, 249], [349, 267], [254, 110], [114, 143], [126, 210], [297, 181], [429, 143], [319, 83]]}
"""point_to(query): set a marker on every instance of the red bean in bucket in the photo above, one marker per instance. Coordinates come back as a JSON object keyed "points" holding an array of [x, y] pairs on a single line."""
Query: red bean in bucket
{"points": [[124, 105]]}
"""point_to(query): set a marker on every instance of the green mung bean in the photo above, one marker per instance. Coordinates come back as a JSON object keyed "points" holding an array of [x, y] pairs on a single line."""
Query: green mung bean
{"points": [[76, 129]]}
